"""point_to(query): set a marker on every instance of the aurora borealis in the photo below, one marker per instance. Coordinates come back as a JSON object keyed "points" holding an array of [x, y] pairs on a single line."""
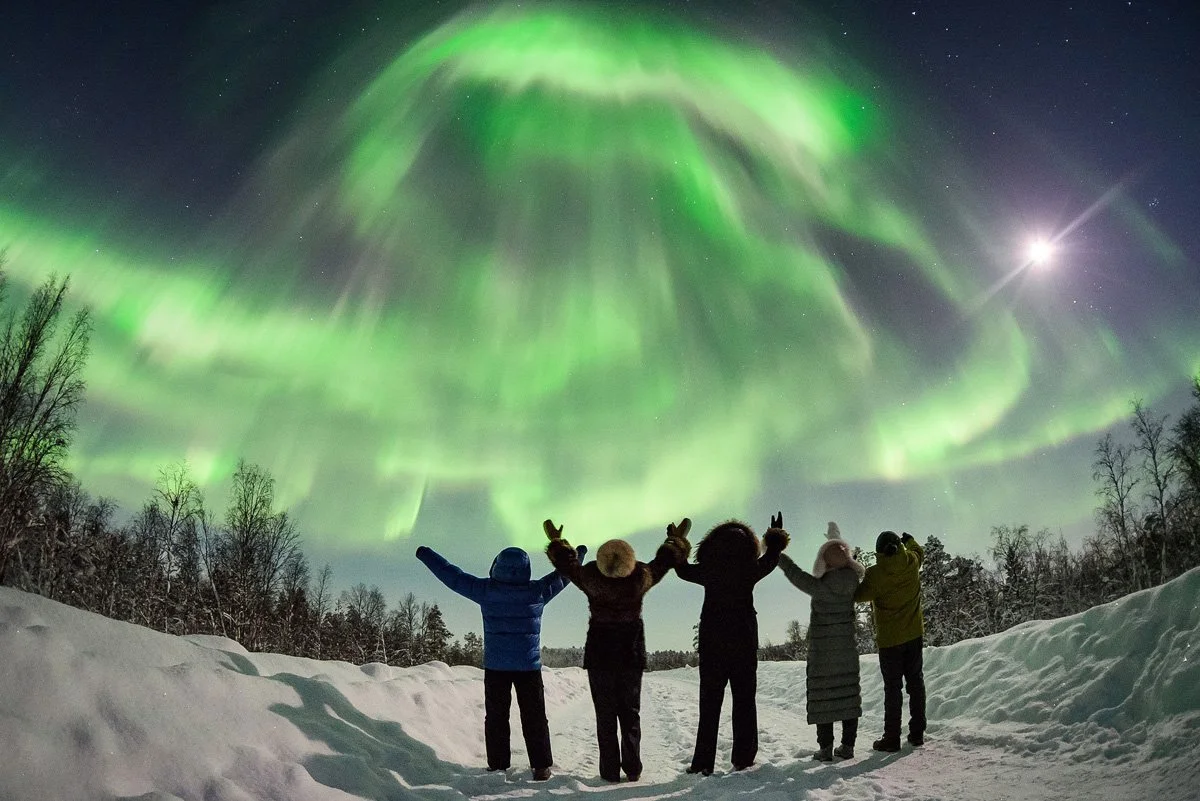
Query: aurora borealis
{"points": [[612, 266]]}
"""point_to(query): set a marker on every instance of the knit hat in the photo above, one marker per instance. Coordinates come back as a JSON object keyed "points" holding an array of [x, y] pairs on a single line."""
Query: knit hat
{"points": [[887, 543], [834, 540]]}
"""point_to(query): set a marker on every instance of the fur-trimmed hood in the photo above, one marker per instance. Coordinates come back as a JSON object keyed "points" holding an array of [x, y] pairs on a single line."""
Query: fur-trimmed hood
{"points": [[729, 543], [615, 559], [834, 540]]}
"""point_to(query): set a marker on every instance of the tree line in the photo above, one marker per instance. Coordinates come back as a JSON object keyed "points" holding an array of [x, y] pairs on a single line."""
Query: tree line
{"points": [[182, 568]]}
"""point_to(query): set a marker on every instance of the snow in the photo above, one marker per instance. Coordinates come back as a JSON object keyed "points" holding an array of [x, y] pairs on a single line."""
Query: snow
{"points": [[1105, 704]]}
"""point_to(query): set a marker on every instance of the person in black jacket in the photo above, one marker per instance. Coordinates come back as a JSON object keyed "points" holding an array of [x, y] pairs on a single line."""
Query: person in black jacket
{"points": [[614, 653], [728, 565]]}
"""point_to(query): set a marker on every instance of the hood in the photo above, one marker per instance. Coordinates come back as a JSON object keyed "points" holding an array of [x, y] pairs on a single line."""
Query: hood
{"points": [[820, 568], [729, 543], [510, 566], [887, 544], [834, 539]]}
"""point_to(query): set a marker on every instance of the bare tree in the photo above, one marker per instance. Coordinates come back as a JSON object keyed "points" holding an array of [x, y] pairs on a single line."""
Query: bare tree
{"points": [[41, 386], [181, 506], [371, 607], [1161, 475], [404, 630], [320, 605], [1112, 468], [248, 556]]}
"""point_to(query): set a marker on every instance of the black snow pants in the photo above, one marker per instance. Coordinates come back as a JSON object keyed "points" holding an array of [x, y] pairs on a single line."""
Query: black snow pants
{"points": [[741, 674], [902, 668], [617, 697], [531, 699]]}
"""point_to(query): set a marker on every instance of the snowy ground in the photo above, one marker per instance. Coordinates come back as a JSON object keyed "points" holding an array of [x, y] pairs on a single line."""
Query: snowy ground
{"points": [[1101, 705]]}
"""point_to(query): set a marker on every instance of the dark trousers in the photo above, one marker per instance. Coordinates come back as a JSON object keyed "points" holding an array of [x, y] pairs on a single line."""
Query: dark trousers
{"points": [[617, 697], [742, 677], [902, 668], [531, 699], [849, 733]]}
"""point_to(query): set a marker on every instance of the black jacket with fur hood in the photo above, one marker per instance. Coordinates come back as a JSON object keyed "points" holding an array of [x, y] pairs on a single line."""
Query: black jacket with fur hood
{"points": [[728, 565], [615, 584]]}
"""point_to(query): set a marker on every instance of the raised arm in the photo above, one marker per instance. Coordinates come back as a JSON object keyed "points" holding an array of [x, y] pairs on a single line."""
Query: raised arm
{"points": [[553, 582], [673, 552], [775, 540], [912, 546], [799, 578], [690, 572], [463, 583], [566, 560]]}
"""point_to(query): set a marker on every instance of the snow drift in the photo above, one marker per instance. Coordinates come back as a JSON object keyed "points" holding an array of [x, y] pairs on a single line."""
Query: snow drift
{"points": [[1102, 704]]}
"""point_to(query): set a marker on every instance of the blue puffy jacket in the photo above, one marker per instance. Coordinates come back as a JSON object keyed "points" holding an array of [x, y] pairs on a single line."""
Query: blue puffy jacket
{"points": [[510, 602]]}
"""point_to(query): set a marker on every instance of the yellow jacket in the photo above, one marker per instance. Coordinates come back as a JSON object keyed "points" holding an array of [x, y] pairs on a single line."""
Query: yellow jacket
{"points": [[893, 586]]}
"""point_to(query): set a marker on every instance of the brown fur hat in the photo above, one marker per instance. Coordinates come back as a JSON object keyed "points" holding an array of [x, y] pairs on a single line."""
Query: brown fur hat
{"points": [[732, 541], [615, 559]]}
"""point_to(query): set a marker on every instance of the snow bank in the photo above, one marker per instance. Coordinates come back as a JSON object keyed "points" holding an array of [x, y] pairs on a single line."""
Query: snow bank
{"points": [[1121, 665], [1106, 703]]}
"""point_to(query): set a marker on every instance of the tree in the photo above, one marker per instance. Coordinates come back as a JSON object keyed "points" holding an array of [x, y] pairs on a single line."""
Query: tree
{"points": [[796, 641], [369, 612], [1112, 468], [41, 387], [180, 506], [1161, 473], [435, 637], [864, 618], [404, 631], [1185, 442], [471, 650], [249, 555], [319, 609], [1184, 448]]}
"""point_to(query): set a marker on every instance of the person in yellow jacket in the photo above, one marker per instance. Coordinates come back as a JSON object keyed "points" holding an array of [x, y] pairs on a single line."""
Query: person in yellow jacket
{"points": [[893, 586]]}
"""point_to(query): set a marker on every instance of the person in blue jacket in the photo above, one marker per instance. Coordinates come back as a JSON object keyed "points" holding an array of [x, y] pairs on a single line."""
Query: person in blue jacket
{"points": [[512, 653]]}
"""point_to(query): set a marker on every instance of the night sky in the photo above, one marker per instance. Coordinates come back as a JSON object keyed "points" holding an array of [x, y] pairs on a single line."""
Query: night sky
{"points": [[447, 270]]}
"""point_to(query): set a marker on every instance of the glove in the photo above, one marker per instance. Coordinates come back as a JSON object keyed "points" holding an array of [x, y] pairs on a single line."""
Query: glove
{"points": [[777, 520], [906, 537], [552, 532], [580, 552], [680, 531]]}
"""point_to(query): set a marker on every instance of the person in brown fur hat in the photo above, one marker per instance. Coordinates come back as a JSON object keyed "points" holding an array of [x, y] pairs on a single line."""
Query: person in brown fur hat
{"points": [[728, 565], [614, 653]]}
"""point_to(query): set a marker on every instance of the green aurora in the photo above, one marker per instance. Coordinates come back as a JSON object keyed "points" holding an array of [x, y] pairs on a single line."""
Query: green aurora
{"points": [[606, 268]]}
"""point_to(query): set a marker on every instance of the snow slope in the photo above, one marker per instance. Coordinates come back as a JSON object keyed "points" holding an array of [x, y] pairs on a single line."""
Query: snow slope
{"points": [[1105, 704]]}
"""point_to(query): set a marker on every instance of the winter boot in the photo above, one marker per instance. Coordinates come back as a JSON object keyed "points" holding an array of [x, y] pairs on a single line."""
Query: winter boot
{"points": [[701, 771], [823, 754], [541, 774], [887, 744], [916, 740], [844, 751]]}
